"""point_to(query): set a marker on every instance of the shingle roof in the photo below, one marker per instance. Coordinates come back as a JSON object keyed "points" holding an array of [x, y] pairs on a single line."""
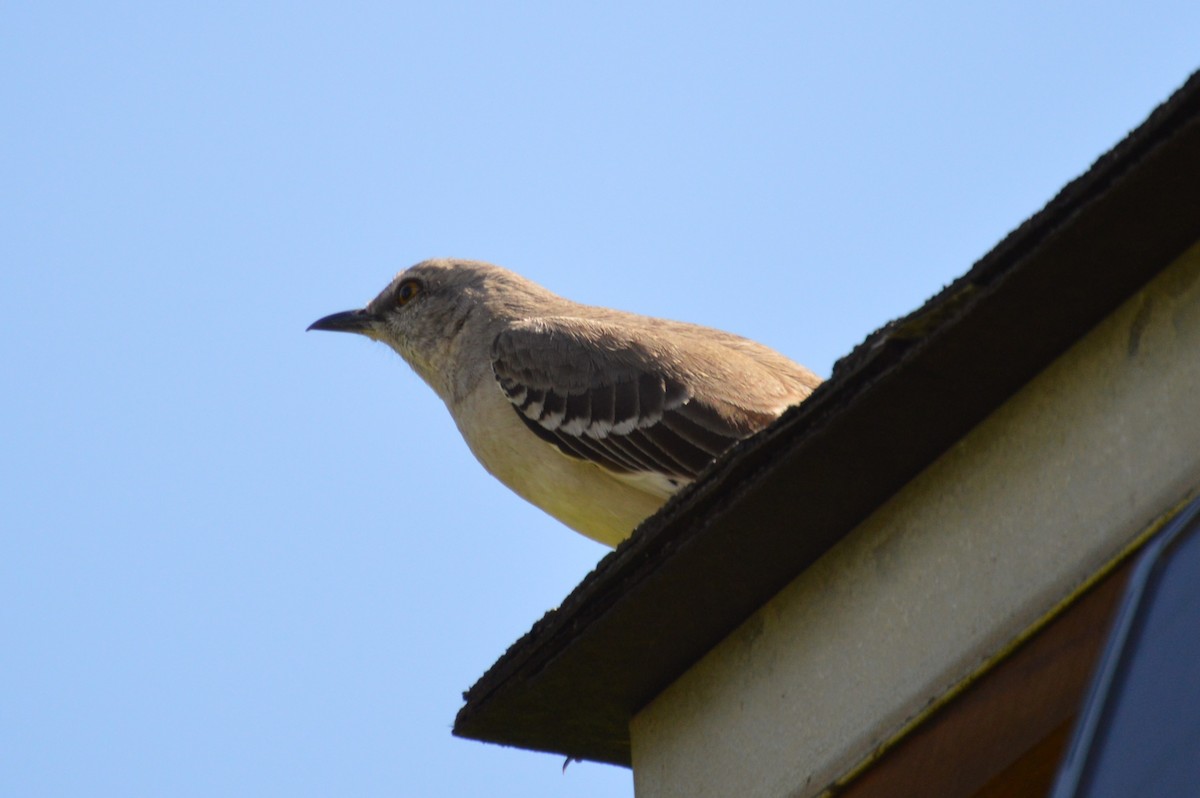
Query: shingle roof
{"points": [[769, 509]]}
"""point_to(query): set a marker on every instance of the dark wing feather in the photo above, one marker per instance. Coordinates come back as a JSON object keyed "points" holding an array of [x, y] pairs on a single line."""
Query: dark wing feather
{"points": [[599, 396]]}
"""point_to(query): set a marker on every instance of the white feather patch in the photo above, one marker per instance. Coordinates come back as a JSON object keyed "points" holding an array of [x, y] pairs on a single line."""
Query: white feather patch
{"points": [[652, 482]]}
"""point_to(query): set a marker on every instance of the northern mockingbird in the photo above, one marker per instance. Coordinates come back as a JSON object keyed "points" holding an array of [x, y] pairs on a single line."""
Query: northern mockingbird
{"points": [[594, 415]]}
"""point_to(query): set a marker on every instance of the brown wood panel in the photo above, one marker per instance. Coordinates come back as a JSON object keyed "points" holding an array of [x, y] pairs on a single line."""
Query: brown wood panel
{"points": [[1005, 734], [1033, 774]]}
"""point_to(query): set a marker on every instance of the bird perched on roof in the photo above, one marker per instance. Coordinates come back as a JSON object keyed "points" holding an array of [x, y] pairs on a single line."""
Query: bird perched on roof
{"points": [[596, 416]]}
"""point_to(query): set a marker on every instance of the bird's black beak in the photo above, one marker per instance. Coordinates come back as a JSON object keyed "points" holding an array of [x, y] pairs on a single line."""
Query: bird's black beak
{"points": [[351, 321]]}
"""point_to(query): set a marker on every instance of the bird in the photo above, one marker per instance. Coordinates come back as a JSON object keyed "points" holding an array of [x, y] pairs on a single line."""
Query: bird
{"points": [[596, 416]]}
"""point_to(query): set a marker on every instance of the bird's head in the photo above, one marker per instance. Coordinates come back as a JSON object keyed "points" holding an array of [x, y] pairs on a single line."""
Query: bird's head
{"points": [[436, 312]]}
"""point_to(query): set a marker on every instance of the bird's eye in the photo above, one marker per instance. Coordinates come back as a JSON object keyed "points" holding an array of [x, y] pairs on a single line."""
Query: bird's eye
{"points": [[407, 292]]}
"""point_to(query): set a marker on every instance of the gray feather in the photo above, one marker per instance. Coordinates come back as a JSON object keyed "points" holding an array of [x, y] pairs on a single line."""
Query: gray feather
{"points": [[600, 396]]}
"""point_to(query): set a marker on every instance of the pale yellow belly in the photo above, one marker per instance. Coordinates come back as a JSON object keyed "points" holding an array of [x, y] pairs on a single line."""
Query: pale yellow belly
{"points": [[581, 495]]}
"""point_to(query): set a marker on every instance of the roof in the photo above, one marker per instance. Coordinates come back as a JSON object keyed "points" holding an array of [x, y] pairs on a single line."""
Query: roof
{"points": [[767, 510]]}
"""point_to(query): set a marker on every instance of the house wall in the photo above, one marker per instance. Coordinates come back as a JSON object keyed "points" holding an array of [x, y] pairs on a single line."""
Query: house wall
{"points": [[973, 552]]}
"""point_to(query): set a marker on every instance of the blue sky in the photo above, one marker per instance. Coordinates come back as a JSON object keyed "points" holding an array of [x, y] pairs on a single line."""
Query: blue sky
{"points": [[236, 559]]}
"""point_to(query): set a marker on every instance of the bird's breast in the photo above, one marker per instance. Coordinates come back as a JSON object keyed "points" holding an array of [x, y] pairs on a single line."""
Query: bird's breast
{"points": [[581, 494]]}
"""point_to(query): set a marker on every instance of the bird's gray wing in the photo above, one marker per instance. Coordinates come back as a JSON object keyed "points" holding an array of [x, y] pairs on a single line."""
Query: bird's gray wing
{"points": [[602, 395]]}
